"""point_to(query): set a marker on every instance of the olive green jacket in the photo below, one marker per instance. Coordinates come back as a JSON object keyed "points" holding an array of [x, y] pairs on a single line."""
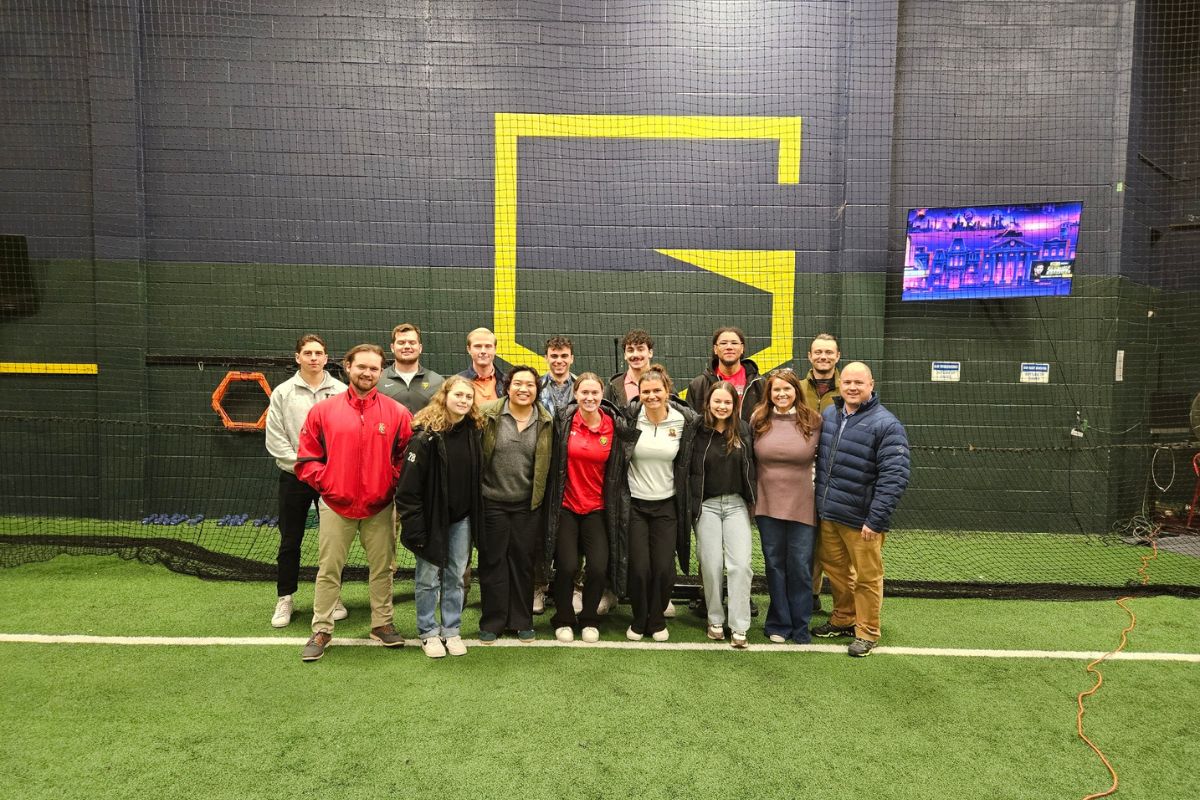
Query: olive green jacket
{"points": [[808, 392], [541, 455]]}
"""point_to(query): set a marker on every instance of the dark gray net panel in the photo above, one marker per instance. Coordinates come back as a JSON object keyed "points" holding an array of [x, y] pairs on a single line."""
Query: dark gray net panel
{"points": [[190, 186]]}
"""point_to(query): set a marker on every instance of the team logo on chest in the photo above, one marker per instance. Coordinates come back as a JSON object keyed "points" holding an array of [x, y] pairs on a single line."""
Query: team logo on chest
{"points": [[382, 429]]}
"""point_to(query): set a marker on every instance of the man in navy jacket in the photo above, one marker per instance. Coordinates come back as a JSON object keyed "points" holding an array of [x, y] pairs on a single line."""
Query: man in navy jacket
{"points": [[862, 471]]}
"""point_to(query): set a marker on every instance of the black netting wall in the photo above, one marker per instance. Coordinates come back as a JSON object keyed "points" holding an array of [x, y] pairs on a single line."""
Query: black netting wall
{"points": [[994, 205]]}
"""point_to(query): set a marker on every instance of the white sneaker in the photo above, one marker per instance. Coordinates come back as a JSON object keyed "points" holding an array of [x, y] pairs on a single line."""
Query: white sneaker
{"points": [[433, 647], [455, 646], [283, 612], [661, 636], [669, 611], [539, 600], [591, 635], [776, 638], [564, 634], [631, 636], [577, 600], [340, 612], [608, 601]]}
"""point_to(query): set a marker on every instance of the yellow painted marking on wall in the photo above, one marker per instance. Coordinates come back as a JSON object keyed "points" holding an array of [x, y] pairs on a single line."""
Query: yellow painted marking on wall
{"points": [[511, 127], [772, 271], [33, 368]]}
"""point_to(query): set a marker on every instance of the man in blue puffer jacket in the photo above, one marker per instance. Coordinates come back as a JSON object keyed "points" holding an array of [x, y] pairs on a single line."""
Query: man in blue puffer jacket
{"points": [[862, 470]]}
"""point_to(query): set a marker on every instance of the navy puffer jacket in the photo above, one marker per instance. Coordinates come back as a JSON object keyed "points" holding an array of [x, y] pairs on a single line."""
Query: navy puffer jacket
{"points": [[862, 468]]}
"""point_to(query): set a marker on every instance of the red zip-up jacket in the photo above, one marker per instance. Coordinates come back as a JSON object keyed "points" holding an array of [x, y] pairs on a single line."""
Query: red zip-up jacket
{"points": [[351, 450]]}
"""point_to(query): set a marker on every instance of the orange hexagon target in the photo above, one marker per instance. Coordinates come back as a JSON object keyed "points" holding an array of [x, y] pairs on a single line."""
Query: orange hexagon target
{"points": [[218, 395]]}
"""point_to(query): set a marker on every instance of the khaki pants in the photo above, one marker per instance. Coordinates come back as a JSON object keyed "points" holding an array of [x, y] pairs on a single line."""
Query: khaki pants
{"points": [[855, 572], [377, 534]]}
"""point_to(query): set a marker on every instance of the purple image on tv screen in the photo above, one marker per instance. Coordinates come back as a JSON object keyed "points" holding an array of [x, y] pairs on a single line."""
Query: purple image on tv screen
{"points": [[990, 251]]}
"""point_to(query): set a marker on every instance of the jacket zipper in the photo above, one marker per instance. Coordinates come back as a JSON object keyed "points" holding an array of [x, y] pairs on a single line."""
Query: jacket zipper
{"points": [[832, 450]]}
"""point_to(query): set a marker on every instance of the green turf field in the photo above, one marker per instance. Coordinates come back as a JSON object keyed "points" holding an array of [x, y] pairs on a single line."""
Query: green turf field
{"points": [[912, 555], [101, 721]]}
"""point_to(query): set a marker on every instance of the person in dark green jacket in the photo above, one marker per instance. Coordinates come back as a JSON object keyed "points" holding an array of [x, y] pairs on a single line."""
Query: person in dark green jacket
{"points": [[517, 436]]}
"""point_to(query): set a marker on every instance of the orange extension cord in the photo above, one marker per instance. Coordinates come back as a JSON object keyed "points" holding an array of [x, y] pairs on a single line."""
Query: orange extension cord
{"points": [[1142, 571]]}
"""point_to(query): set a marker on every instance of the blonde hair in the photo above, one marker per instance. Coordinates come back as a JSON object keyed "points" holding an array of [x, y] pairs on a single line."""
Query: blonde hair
{"points": [[479, 332], [435, 417]]}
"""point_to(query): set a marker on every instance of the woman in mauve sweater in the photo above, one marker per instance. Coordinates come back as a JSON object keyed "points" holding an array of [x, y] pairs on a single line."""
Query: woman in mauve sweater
{"points": [[786, 433]]}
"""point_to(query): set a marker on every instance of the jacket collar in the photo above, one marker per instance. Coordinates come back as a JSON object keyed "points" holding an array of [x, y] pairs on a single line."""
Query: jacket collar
{"points": [[872, 401], [392, 372], [749, 364], [362, 402]]}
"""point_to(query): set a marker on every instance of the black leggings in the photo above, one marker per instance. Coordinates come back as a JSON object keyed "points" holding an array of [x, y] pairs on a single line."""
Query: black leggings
{"points": [[586, 533], [652, 532]]}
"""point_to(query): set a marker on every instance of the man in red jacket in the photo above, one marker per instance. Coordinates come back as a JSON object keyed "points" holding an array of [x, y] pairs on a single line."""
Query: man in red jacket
{"points": [[351, 449]]}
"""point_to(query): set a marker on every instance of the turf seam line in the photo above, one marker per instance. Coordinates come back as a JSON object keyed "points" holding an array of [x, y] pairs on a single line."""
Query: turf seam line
{"points": [[274, 641]]}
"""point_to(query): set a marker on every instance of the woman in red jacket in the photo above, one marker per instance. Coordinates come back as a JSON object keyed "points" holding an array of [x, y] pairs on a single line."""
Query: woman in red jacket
{"points": [[583, 501]]}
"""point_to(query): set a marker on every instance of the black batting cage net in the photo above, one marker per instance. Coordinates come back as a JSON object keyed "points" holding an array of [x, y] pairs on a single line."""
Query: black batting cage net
{"points": [[995, 206]]}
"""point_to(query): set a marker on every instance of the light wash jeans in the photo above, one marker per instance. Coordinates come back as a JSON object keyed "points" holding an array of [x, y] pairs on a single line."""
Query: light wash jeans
{"points": [[723, 544], [436, 586]]}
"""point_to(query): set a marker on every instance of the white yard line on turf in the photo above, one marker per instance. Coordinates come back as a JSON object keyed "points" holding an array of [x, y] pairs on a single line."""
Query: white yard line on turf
{"points": [[271, 641]]}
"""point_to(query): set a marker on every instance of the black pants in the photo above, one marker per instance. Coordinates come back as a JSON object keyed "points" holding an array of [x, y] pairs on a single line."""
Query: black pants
{"points": [[510, 534], [295, 499], [579, 534], [652, 531]]}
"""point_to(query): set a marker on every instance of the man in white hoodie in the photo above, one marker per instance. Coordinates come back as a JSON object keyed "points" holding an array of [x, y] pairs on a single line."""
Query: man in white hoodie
{"points": [[290, 403]]}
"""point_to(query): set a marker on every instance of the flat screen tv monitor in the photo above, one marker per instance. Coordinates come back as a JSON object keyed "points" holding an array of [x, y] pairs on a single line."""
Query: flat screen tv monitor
{"points": [[990, 251]]}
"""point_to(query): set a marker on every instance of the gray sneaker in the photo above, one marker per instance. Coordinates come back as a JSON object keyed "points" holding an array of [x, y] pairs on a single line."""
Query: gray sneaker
{"points": [[830, 631], [315, 648], [860, 648], [388, 636]]}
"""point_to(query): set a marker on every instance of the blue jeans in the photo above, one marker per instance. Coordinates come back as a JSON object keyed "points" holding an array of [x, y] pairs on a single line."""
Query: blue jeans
{"points": [[787, 552], [436, 586], [723, 545]]}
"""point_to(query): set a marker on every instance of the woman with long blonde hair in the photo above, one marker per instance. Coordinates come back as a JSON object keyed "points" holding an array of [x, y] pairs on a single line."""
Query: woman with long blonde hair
{"points": [[440, 506]]}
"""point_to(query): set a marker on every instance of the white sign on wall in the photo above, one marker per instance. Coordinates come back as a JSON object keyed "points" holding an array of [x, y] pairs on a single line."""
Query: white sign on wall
{"points": [[945, 371], [1035, 373]]}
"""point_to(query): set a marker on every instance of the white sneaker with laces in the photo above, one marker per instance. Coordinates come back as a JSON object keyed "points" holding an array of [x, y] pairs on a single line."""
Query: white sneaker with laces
{"points": [[455, 646], [539, 600], [433, 647], [577, 600], [340, 612], [564, 634], [283, 612], [591, 635], [608, 601]]}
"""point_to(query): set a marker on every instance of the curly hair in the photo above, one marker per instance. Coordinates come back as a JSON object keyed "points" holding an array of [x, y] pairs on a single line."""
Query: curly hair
{"points": [[435, 417]]}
